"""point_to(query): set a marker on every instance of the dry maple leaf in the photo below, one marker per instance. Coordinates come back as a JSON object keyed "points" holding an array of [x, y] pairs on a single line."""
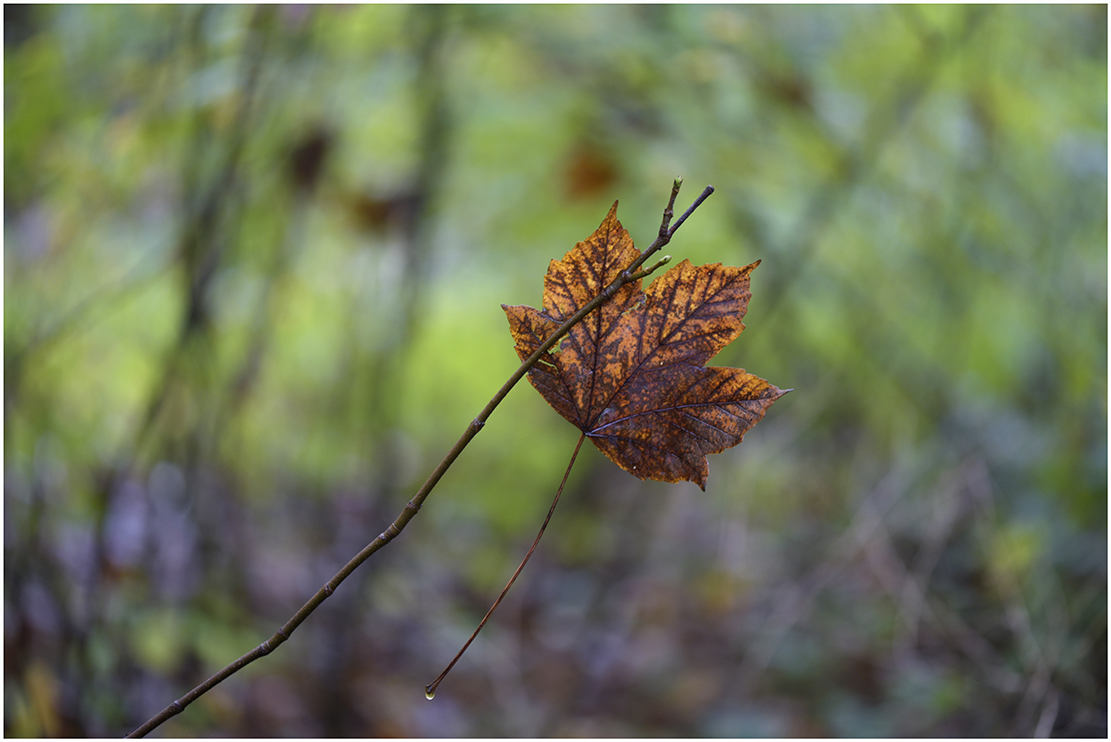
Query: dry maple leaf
{"points": [[632, 376]]}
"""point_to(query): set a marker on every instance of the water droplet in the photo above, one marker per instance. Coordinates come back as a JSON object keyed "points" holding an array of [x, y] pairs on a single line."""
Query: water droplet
{"points": [[429, 693]]}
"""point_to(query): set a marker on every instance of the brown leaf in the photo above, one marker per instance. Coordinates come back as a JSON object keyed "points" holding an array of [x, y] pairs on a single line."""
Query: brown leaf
{"points": [[632, 374]]}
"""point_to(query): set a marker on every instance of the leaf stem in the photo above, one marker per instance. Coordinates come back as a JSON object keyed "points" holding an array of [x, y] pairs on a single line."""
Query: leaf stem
{"points": [[414, 505], [430, 689]]}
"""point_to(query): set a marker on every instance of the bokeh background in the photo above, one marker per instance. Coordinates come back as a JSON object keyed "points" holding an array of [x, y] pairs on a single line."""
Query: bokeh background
{"points": [[253, 265]]}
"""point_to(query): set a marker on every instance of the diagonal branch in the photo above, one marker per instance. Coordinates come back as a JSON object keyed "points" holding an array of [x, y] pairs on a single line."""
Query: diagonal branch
{"points": [[283, 633]]}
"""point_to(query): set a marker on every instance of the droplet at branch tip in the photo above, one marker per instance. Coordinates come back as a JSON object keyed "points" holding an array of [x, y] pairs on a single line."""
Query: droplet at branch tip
{"points": [[429, 693]]}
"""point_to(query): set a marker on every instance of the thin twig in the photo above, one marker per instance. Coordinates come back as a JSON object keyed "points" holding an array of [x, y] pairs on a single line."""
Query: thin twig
{"points": [[697, 202], [430, 689], [282, 634]]}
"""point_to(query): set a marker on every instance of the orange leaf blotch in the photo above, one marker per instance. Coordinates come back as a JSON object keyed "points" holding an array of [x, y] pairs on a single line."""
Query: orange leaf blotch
{"points": [[632, 374], [588, 268]]}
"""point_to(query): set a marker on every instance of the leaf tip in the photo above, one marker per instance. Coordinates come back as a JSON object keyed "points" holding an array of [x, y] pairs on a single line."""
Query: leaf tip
{"points": [[611, 217]]}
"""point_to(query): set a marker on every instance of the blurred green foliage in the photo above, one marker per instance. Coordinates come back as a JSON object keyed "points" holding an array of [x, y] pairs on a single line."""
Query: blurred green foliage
{"points": [[253, 265]]}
